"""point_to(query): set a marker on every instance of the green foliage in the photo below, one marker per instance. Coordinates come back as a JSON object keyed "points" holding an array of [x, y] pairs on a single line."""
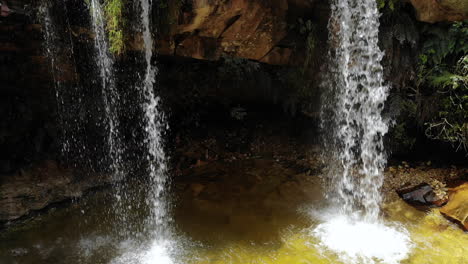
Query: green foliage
{"points": [[115, 23], [114, 10], [443, 70], [390, 5], [443, 45]]}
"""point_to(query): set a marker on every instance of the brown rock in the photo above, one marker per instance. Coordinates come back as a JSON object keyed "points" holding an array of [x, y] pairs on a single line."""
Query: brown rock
{"points": [[440, 10], [421, 195], [457, 207], [38, 187], [196, 188], [242, 28], [198, 48], [278, 56]]}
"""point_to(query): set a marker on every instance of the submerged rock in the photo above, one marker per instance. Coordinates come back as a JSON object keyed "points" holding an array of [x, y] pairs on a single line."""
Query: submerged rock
{"points": [[456, 208]]}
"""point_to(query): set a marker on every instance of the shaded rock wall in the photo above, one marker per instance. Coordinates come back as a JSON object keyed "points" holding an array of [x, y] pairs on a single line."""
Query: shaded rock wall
{"points": [[35, 188], [28, 111]]}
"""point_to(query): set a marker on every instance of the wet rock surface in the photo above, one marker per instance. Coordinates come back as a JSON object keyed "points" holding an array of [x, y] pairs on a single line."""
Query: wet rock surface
{"points": [[40, 186], [421, 195], [457, 207], [404, 176]]}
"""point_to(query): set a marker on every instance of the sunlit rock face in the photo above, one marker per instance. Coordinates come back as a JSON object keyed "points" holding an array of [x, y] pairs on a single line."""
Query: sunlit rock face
{"points": [[457, 207], [440, 10], [247, 29]]}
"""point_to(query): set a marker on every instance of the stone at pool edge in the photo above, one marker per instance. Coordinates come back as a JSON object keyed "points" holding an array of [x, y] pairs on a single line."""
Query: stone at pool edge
{"points": [[45, 183], [456, 208], [421, 195]]}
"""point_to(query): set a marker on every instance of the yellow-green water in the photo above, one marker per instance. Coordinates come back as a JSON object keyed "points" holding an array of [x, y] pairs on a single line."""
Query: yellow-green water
{"points": [[434, 241], [231, 222]]}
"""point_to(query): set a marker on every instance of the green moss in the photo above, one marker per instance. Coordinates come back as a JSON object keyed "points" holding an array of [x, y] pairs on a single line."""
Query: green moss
{"points": [[388, 5], [115, 21]]}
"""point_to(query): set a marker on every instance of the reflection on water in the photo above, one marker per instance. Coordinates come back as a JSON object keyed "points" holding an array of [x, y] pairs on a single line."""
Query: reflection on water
{"points": [[435, 240], [223, 224]]}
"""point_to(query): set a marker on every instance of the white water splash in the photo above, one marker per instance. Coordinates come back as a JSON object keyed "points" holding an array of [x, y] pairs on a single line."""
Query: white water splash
{"points": [[157, 253], [363, 242]]}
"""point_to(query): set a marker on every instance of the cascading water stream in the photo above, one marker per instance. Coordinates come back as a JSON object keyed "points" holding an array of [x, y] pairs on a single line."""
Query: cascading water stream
{"points": [[352, 109], [155, 125], [72, 145], [156, 224], [105, 64], [52, 53], [359, 96]]}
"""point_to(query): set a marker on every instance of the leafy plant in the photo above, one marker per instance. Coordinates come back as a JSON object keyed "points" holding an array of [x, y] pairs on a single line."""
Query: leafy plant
{"points": [[443, 67], [451, 125], [391, 5], [115, 25]]}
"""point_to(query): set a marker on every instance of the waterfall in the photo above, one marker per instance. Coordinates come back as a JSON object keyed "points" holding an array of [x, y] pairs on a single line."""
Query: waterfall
{"points": [[156, 225], [357, 98], [154, 127], [354, 98], [110, 95]]}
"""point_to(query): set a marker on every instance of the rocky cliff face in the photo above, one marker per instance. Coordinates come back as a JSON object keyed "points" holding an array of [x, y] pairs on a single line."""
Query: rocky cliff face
{"points": [[440, 10], [28, 114], [256, 30]]}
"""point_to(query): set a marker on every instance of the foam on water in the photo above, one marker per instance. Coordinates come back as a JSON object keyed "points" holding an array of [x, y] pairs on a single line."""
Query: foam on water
{"points": [[364, 242], [158, 252]]}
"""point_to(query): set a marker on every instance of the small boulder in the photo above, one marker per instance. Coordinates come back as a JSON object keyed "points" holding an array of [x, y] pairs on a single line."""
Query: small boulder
{"points": [[456, 208], [422, 195]]}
